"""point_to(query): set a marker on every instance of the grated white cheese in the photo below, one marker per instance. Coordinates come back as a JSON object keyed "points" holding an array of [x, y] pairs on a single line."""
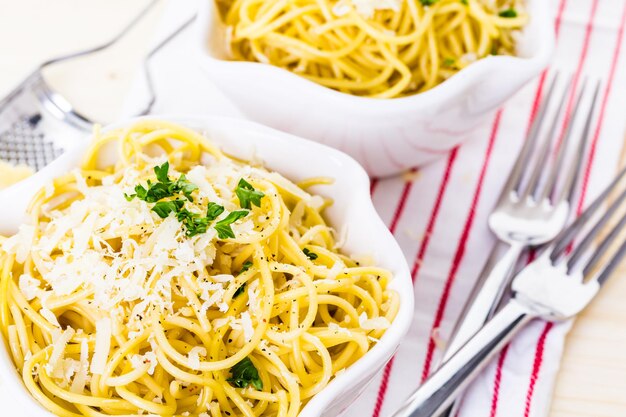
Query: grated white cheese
{"points": [[103, 344], [194, 356], [59, 343], [148, 360], [316, 202], [365, 8], [81, 378], [254, 303], [335, 270], [49, 316], [469, 57], [20, 243], [334, 327], [29, 286], [376, 323], [152, 359], [244, 323]]}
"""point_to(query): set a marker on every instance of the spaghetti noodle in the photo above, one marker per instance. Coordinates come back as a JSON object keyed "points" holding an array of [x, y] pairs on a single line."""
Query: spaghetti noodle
{"points": [[375, 48], [179, 281]]}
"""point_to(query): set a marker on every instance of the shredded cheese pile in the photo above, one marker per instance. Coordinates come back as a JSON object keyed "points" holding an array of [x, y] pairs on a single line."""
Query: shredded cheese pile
{"points": [[180, 281]]}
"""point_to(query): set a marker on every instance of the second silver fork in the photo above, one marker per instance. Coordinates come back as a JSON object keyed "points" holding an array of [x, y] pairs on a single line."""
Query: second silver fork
{"points": [[529, 212]]}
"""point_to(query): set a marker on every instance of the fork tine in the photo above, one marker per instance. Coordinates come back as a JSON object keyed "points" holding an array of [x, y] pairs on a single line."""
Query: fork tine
{"points": [[569, 185], [604, 246], [566, 237], [550, 185], [614, 262], [586, 242], [535, 176], [513, 182]]}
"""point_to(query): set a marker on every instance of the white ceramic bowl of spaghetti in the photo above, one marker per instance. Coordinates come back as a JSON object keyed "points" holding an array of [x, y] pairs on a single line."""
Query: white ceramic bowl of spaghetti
{"points": [[352, 211], [385, 135]]}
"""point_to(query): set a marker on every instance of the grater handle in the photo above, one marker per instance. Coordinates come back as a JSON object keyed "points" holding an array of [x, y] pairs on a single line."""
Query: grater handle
{"points": [[108, 44], [146, 63]]}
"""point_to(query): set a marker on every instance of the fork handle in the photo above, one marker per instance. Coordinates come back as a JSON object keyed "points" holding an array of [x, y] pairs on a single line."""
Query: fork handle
{"points": [[441, 389], [486, 294], [484, 298]]}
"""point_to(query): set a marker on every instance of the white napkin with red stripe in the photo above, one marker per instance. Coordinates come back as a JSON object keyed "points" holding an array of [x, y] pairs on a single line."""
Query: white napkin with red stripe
{"points": [[439, 214]]}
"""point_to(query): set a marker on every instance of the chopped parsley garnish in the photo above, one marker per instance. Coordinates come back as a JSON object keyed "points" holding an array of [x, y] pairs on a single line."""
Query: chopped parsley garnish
{"points": [[164, 187], [246, 265], [161, 172], [508, 13], [164, 208], [449, 62], [311, 255], [428, 2], [245, 374], [240, 290], [194, 223], [465, 2], [185, 187], [247, 194], [213, 210], [224, 231]]}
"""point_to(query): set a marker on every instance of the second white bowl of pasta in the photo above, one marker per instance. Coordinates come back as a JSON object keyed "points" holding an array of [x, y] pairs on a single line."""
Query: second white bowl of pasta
{"points": [[188, 269], [393, 83]]}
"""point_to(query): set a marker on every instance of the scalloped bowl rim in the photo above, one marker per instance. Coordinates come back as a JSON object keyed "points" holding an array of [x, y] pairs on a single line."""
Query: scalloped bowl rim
{"points": [[360, 199]]}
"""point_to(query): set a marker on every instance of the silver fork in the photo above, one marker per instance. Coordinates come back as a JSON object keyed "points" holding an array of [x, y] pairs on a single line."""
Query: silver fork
{"points": [[556, 286], [528, 213]]}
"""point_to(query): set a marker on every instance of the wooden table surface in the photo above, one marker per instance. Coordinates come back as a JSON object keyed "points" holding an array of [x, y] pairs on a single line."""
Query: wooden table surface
{"points": [[592, 380]]}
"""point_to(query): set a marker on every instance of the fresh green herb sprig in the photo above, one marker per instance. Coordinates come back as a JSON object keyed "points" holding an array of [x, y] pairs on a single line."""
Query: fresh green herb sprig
{"points": [[224, 231], [247, 194], [194, 223], [510, 13], [164, 208], [164, 187], [449, 62], [246, 265], [311, 255], [240, 290], [245, 374]]}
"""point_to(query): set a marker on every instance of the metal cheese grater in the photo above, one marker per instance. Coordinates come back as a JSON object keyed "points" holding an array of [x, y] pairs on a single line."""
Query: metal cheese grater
{"points": [[37, 123]]}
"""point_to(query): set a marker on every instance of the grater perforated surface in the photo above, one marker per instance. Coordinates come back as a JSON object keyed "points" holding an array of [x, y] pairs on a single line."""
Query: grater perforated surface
{"points": [[25, 143]]}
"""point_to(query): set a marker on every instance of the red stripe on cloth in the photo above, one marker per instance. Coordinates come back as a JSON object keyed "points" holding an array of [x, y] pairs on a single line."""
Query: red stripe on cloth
{"points": [[605, 100], [496, 382], [536, 100], [406, 190], [539, 350], [559, 17], [434, 214], [460, 251], [585, 183], [382, 389], [581, 62]]}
